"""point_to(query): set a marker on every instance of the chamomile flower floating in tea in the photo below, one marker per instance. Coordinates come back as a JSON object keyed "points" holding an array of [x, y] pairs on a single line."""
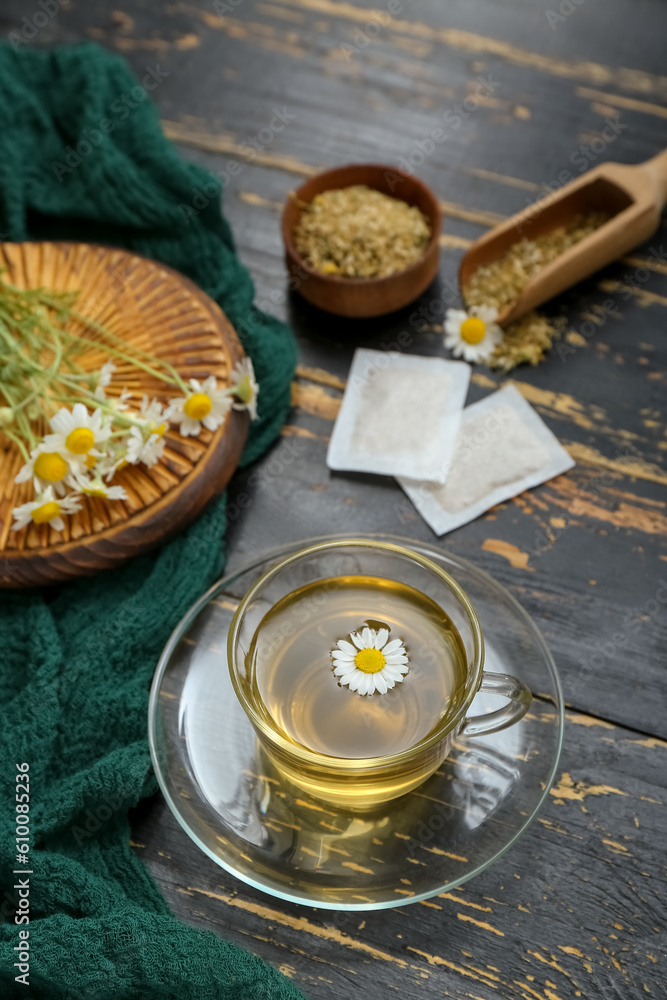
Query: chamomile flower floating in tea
{"points": [[304, 681], [371, 664], [472, 335], [45, 509]]}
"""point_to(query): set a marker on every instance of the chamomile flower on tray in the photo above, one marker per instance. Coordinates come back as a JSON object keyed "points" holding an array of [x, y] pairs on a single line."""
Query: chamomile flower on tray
{"points": [[109, 405]]}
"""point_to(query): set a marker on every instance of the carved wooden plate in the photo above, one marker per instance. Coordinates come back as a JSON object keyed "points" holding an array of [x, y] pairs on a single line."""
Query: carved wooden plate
{"points": [[157, 309]]}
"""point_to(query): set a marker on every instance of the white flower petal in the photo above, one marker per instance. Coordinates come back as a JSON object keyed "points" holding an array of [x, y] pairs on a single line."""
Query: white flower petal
{"points": [[380, 682], [24, 474], [488, 314], [381, 637], [343, 669], [369, 685], [368, 637], [211, 422], [357, 640], [392, 646], [346, 647], [355, 680], [398, 656], [189, 427]]}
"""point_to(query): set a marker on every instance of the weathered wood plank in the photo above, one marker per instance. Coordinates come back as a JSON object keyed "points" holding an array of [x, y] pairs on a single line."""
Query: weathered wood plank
{"points": [[575, 909]]}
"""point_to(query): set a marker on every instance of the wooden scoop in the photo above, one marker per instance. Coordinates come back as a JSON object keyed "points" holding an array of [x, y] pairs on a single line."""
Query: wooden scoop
{"points": [[632, 196]]}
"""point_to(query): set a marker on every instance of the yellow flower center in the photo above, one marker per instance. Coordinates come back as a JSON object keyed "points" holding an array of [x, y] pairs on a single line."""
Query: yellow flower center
{"points": [[243, 390], [46, 512], [80, 440], [369, 661], [197, 406], [91, 461], [473, 330], [94, 491], [50, 466]]}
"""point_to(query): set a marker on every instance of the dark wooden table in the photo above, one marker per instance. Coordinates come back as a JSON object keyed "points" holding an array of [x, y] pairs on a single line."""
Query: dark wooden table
{"points": [[579, 907]]}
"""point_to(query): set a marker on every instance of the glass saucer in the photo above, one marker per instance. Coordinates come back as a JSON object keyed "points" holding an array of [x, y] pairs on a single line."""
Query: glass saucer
{"points": [[234, 805]]}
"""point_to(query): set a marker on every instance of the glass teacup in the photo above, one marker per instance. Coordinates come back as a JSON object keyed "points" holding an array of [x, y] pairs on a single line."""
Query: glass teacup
{"points": [[287, 648]]}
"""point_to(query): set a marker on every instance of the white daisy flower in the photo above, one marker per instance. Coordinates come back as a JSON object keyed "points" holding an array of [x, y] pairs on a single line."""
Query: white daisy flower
{"points": [[77, 435], [371, 664], [153, 413], [45, 510], [472, 335], [46, 467], [114, 459], [103, 379], [141, 448], [245, 388], [97, 488], [205, 406], [120, 402]]}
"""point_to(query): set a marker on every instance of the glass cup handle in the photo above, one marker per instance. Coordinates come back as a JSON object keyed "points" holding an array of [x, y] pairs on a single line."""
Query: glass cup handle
{"points": [[518, 702]]}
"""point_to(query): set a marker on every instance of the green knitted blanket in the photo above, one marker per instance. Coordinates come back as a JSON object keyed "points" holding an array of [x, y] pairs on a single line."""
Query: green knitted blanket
{"points": [[75, 665]]}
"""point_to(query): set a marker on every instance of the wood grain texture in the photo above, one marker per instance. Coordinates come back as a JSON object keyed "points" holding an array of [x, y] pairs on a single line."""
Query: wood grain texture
{"points": [[151, 307], [576, 909]]}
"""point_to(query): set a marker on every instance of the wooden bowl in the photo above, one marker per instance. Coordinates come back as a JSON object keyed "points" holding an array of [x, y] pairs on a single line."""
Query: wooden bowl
{"points": [[363, 297], [157, 309]]}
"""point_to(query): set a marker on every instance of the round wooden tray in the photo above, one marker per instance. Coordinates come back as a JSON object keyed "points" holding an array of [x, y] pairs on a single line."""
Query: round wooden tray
{"points": [[157, 309]]}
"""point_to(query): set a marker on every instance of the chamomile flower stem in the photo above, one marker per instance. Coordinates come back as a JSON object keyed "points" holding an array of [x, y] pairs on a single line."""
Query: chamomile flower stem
{"points": [[121, 418], [18, 442], [174, 377], [26, 430], [149, 369]]}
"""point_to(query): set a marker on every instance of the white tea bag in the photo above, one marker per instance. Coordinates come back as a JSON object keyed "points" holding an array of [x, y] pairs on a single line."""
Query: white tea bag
{"points": [[503, 447], [400, 414]]}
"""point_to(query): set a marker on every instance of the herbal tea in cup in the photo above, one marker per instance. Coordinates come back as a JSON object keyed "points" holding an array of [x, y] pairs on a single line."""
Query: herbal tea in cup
{"points": [[356, 662]]}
